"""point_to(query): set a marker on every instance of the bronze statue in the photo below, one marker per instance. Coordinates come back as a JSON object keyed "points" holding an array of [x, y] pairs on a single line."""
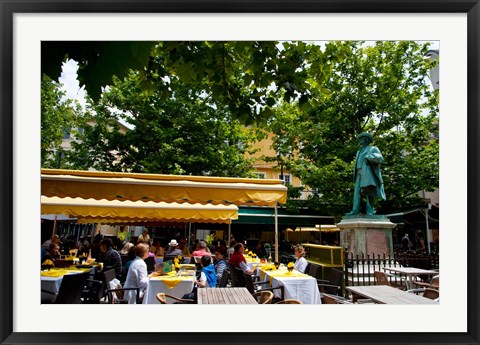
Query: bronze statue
{"points": [[367, 176]]}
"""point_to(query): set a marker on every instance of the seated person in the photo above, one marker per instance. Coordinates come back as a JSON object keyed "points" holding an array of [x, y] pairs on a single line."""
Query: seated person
{"points": [[130, 257], [199, 252], [260, 250], [126, 248], [53, 253], [301, 263], [55, 239], [220, 263], [206, 277], [202, 250], [183, 246], [137, 274], [158, 249], [238, 260], [207, 273], [111, 258], [173, 250]]}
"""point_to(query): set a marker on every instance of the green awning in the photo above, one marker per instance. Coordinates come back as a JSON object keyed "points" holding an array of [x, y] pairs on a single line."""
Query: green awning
{"points": [[266, 215]]}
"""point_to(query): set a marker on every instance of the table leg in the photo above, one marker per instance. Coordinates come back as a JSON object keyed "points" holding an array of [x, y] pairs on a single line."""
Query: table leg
{"points": [[409, 282]]}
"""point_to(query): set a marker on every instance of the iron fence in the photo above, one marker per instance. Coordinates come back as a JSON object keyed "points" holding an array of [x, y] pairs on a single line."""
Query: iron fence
{"points": [[359, 269]]}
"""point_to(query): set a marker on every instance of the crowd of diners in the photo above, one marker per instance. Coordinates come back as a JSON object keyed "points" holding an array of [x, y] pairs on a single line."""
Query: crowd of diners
{"points": [[133, 273]]}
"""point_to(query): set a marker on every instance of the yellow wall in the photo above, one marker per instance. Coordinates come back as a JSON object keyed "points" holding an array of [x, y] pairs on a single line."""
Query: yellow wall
{"points": [[271, 170]]}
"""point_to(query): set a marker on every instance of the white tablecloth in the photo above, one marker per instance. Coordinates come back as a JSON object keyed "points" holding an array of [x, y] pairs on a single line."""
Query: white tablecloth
{"points": [[156, 285], [51, 284], [304, 289], [253, 265]]}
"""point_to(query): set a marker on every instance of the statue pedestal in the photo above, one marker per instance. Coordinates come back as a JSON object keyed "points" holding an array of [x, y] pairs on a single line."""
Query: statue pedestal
{"points": [[366, 234]]}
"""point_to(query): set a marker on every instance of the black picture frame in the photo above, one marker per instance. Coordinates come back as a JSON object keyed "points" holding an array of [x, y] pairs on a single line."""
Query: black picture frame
{"points": [[10, 7]]}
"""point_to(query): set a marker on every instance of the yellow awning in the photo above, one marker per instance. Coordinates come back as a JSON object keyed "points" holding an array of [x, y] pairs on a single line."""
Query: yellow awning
{"points": [[113, 211], [167, 188]]}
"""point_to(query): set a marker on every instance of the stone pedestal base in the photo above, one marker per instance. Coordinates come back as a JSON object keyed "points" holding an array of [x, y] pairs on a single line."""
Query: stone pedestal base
{"points": [[366, 234]]}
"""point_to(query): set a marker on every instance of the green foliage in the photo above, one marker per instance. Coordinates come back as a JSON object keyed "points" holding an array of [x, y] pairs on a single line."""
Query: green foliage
{"points": [[57, 117], [209, 239], [249, 77], [187, 134], [381, 88], [98, 61], [187, 104]]}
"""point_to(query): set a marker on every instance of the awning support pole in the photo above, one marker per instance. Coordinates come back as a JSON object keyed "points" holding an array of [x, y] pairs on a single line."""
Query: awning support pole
{"points": [[276, 233], [228, 241], [54, 226], [429, 239], [189, 234]]}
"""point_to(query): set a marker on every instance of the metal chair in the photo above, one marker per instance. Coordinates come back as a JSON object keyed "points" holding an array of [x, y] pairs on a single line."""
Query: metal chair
{"points": [[333, 299], [426, 292], [313, 270], [254, 287], [263, 297], [332, 285], [162, 298], [96, 289], [116, 296], [150, 262], [431, 293], [237, 277], [224, 279], [289, 301], [434, 283], [381, 278]]}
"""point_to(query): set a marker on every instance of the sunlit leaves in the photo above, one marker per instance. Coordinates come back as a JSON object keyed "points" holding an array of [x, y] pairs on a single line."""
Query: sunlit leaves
{"points": [[379, 87], [57, 118]]}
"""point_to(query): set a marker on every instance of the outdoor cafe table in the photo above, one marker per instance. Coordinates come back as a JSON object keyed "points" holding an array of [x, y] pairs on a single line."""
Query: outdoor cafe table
{"points": [[410, 272], [170, 284], [52, 279], [296, 285], [385, 294], [231, 295]]}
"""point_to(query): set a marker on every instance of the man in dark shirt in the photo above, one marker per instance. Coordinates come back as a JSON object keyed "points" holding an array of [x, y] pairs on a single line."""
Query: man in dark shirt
{"points": [[111, 258]]}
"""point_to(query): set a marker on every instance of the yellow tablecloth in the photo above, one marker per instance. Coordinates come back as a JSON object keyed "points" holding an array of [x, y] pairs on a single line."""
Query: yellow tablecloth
{"points": [[282, 272], [171, 279], [59, 272], [263, 270]]}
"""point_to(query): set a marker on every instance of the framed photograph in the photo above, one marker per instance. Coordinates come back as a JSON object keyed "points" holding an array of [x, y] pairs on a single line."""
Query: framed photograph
{"points": [[454, 25]]}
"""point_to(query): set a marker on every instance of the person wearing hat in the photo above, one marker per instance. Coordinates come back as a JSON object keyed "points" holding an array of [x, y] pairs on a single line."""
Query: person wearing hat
{"points": [[173, 250], [367, 176]]}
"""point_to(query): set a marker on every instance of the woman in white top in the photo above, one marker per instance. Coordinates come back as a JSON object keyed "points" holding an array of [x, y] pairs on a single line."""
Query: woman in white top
{"points": [[301, 263], [137, 275]]}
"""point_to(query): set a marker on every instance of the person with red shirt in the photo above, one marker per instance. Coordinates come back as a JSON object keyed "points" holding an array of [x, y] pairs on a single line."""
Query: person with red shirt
{"points": [[238, 260]]}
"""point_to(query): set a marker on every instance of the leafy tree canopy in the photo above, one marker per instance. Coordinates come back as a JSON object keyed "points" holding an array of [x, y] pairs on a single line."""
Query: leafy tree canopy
{"points": [[58, 116], [194, 108], [188, 133], [247, 76], [381, 88]]}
